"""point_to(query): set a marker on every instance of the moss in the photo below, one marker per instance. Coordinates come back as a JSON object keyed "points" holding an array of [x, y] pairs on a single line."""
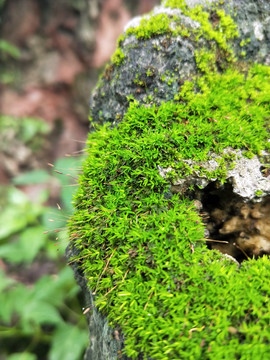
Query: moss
{"points": [[143, 253], [259, 193], [221, 33], [152, 26], [175, 4], [142, 249], [160, 24], [118, 57]]}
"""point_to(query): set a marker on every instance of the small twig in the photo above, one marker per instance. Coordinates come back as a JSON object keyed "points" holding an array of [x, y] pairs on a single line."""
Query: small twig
{"points": [[219, 241], [94, 293], [194, 329], [112, 288], [77, 259], [145, 306], [243, 251]]}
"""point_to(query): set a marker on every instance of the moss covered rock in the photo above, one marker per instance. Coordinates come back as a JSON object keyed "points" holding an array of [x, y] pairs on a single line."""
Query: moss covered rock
{"points": [[158, 52], [186, 90]]}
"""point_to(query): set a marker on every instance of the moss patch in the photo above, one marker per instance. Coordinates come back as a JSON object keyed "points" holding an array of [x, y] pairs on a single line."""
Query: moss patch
{"points": [[152, 26], [118, 57], [143, 252]]}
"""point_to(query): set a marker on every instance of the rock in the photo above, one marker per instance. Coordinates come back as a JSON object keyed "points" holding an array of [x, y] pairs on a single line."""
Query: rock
{"points": [[246, 176], [185, 117]]}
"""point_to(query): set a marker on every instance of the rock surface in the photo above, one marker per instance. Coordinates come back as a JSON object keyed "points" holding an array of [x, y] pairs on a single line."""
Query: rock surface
{"points": [[246, 176]]}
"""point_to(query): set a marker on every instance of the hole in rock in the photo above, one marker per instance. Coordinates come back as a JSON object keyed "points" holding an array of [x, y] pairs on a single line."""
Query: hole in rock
{"points": [[235, 227], [265, 170]]}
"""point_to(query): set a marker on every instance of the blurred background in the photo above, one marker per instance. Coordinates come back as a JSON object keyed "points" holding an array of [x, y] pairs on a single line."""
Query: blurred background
{"points": [[51, 55]]}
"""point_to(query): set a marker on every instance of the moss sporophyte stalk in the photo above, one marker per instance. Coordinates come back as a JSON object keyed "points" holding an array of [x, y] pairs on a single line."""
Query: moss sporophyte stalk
{"points": [[142, 249]]}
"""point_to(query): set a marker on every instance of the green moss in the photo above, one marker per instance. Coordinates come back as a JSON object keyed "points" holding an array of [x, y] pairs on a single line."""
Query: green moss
{"points": [[205, 60], [143, 253], [223, 30], [151, 26], [142, 249], [259, 193], [118, 57], [177, 4]]}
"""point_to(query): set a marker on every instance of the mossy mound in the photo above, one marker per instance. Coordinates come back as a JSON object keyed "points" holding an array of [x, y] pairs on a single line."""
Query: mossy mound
{"points": [[142, 248]]}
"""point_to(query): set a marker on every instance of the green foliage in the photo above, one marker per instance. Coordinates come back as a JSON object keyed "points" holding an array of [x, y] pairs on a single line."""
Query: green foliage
{"points": [[6, 48], [68, 342], [29, 131], [32, 177], [9, 53], [24, 356], [142, 247], [38, 314]]}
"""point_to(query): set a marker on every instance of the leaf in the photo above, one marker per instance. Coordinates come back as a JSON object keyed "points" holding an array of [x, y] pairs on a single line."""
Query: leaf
{"points": [[31, 127], [125, 294], [39, 312], [16, 196], [32, 177], [17, 211], [12, 300], [54, 289], [31, 241], [10, 49], [5, 281], [53, 219], [66, 197], [54, 250], [22, 356], [11, 221], [69, 343], [25, 250]]}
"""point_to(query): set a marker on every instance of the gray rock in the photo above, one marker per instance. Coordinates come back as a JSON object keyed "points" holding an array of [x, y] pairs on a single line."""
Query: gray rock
{"points": [[246, 177]]}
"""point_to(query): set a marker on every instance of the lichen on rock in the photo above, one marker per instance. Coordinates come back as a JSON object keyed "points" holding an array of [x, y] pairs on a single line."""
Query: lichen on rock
{"points": [[190, 116]]}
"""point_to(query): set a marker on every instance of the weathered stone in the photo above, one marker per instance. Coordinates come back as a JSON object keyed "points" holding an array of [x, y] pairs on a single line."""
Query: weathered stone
{"points": [[246, 176]]}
